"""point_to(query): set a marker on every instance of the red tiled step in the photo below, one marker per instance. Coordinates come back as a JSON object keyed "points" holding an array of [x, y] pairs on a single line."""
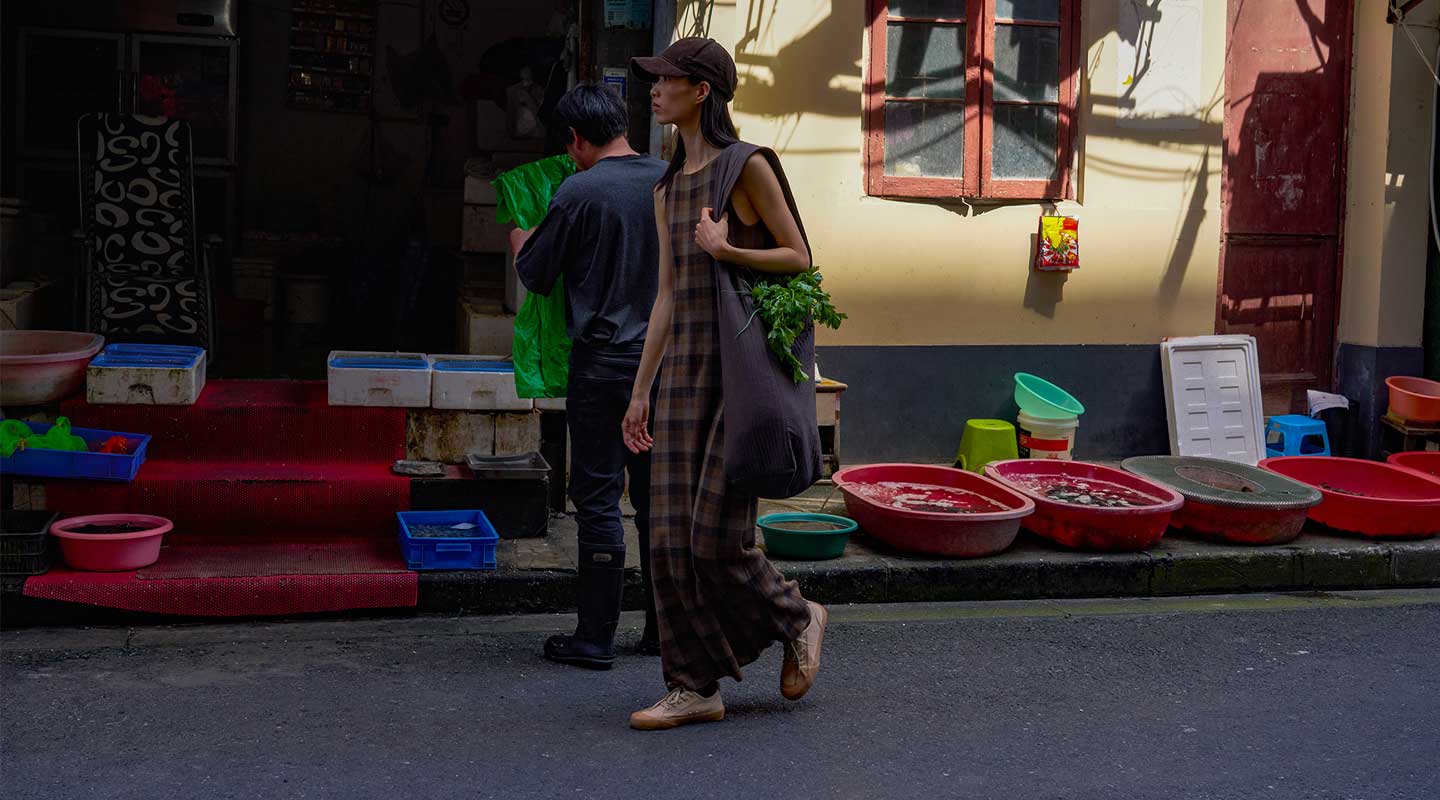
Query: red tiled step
{"points": [[229, 499], [284, 421]]}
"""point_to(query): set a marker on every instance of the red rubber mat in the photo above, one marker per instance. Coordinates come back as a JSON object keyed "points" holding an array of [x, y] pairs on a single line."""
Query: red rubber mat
{"points": [[242, 558], [195, 579], [226, 498], [274, 421]]}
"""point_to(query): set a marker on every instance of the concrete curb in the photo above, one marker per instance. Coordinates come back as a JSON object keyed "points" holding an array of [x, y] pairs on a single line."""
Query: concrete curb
{"points": [[1032, 569], [871, 573]]}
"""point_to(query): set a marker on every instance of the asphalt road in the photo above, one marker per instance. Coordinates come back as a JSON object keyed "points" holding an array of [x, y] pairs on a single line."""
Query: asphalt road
{"points": [[1316, 696]]}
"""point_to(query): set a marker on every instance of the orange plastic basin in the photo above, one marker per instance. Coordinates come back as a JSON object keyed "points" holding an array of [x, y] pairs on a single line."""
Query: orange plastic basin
{"points": [[1415, 399]]}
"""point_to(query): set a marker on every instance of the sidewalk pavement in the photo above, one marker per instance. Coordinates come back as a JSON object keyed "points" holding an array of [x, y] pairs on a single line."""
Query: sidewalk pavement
{"points": [[537, 575]]}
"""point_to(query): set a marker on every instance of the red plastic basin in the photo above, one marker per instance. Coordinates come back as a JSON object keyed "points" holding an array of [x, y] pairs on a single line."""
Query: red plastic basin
{"points": [[1426, 462], [111, 552], [1085, 527], [934, 533], [1366, 497]]}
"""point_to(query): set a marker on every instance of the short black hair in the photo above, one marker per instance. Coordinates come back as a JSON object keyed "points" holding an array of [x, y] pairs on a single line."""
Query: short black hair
{"points": [[595, 112]]}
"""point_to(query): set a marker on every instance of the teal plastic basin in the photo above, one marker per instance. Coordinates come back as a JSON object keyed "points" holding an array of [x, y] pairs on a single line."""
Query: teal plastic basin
{"points": [[805, 536], [1041, 398]]}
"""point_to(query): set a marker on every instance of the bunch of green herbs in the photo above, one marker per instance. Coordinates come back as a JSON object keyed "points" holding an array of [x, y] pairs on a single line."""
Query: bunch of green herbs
{"points": [[786, 305]]}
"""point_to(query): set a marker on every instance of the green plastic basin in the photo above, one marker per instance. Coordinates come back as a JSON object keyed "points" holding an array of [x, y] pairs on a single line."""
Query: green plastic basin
{"points": [[1041, 398], [805, 536]]}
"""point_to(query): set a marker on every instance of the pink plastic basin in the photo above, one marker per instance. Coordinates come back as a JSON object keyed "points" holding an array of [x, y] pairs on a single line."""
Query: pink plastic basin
{"points": [[1426, 462], [1089, 527], [958, 535], [44, 366], [1366, 497], [111, 552]]}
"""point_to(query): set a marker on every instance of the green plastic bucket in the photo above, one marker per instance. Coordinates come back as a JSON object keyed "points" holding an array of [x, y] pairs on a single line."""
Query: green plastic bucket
{"points": [[805, 536]]}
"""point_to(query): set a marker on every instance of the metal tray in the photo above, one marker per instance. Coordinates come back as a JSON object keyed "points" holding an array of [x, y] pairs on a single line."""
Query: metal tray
{"points": [[527, 466]]}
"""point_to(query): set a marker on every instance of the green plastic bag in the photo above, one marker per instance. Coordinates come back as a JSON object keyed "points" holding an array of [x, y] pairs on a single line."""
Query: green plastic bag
{"points": [[541, 348], [524, 193]]}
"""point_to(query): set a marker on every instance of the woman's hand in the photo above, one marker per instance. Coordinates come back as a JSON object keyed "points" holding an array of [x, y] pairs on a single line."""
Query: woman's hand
{"points": [[636, 426], [713, 237]]}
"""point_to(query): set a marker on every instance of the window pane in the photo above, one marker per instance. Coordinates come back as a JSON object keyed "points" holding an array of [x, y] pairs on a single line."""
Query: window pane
{"points": [[925, 61], [932, 9], [924, 139], [1032, 10], [1025, 143], [1027, 63]]}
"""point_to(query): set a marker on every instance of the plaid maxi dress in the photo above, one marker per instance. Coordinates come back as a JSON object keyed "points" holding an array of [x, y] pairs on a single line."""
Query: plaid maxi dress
{"points": [[719, 601]]}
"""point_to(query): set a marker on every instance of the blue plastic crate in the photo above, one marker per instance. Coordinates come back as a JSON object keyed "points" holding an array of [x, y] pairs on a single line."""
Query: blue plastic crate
{"points": [[148, 355], [83, 466], [378, 362], [474, 366], [476, 550]]}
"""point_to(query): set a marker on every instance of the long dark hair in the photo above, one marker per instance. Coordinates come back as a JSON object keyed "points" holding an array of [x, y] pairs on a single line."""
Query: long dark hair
{"points": [[715, 125]]}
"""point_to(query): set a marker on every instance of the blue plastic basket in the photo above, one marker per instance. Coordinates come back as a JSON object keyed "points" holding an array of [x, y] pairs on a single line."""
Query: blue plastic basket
{"points": [[84, 466], [476, 550]]}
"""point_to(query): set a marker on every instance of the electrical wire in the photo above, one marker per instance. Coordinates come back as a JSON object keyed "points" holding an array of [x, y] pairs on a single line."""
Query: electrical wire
{"points": [[1434, 99], [1409, 34]]}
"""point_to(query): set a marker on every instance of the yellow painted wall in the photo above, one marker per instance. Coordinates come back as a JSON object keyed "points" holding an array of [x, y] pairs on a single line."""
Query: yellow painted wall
{"points": [[1382, 302], [923, 273]]}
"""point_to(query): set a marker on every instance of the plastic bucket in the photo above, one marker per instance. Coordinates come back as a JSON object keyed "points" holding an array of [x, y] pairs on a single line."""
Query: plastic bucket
{"points": [[1046, 437]]}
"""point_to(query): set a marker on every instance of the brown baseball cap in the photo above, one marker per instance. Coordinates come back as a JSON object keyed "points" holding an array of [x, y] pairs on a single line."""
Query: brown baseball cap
{"points": [[692, 57]]}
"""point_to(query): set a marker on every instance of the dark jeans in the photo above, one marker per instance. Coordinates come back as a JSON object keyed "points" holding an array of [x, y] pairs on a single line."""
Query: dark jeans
{"points": [[596, 401]]}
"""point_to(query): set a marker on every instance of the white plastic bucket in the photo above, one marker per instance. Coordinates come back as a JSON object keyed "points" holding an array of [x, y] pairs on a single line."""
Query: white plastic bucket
{"points": [[1043, 437]]}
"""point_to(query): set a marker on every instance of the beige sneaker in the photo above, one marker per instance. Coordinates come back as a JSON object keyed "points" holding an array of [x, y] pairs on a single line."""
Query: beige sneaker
{"points": [[802, 656], [679, 707]]}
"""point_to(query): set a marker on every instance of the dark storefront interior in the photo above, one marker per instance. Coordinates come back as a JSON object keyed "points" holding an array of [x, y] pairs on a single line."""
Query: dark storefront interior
{"points": [[332, 140]]}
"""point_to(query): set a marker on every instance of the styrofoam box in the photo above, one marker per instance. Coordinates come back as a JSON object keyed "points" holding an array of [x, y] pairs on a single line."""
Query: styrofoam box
{"points": [[460, 382], [362, 378], [514, 290], [480, 232], [484, 328], [151, 375]]}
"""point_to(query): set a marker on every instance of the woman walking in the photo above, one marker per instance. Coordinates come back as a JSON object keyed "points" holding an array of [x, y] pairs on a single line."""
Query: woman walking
{"points": [[719, 602]]}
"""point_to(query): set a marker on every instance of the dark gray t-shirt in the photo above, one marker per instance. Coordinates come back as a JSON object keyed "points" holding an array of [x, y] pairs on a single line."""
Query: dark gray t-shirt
{"points": [[600, 234]]}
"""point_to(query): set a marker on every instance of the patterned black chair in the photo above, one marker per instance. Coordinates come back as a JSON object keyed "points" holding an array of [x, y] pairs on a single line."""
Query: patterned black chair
{"points": [[145, 275]]}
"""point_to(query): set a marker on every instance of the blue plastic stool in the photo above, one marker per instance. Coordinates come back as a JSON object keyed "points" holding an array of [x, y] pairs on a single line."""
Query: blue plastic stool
{"points": [[1296, 435]]}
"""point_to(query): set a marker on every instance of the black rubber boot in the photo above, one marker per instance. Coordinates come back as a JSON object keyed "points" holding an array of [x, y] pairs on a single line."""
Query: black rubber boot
{"points": [[593, 643]]}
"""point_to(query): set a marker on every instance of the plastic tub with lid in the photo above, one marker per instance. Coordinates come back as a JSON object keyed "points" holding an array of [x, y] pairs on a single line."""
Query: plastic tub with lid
{"points": [[1231, 502]]}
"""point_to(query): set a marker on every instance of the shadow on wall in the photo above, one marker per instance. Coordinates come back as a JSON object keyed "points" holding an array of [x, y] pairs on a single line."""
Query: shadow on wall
{"points": [[816, 74]]}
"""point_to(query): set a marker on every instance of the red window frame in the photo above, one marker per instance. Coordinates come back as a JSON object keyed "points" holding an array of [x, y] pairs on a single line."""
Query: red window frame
{"points": [[975, 181]]}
